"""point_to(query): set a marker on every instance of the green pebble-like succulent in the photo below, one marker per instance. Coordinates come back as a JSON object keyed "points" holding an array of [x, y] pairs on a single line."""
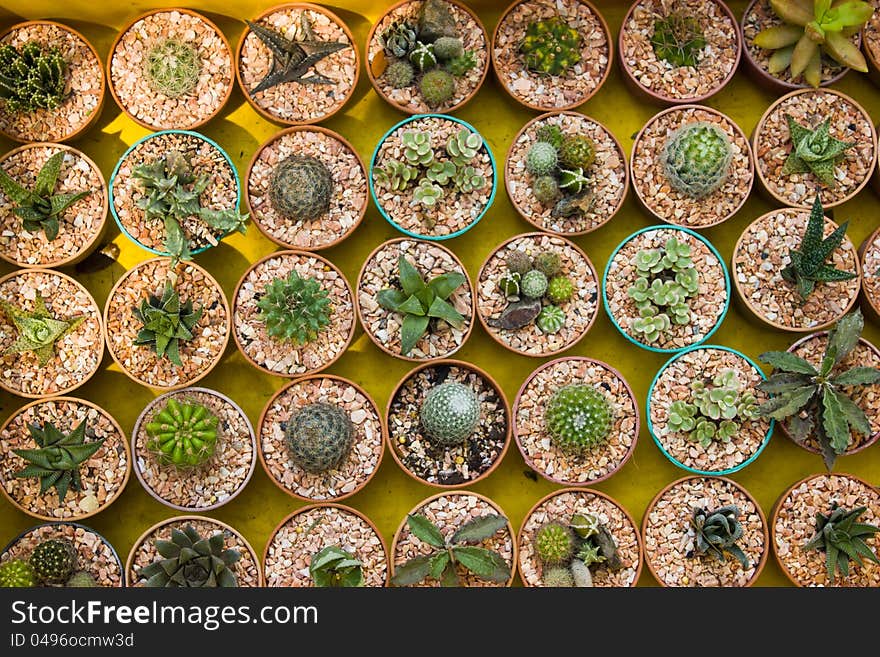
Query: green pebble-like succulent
{"points": [[560, 289], [541, 159], [533, 284], [319, 436], [417, 148], [400, 74], [294, 309], [577, 152], [437, 87], [395, 175], [696, 158], [554, 543], [446, 48], [578, 417], [301, 188], [17, 574], [550, 320], [54, 560], [182, 434], [422, 56], [450, 413], [518, 262], [551, 46]]}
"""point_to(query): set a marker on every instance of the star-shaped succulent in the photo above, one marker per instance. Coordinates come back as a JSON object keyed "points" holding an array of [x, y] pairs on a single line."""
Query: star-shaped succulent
{"points": [[814, 151], [37, 330], [293, 59]]}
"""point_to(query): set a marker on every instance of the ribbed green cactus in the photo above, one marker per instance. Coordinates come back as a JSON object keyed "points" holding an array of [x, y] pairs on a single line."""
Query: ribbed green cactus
{"points": [[577, 152], [17, 574], [437, 87], [814, 151], [533, 284], [400, 74], [81, 579], [301, 187], [573, 181], [557, 577], [450, 413], [678, 39], [165, 323], [37, 330], [54, 560], [551, 46], [541, 159], [545, 189], [560, 289], [422, 56], [509, 284], [319, 436], [172, 67], [578, 417], [182, 434], [554, 543], [696, 158], [551, 319], [32, 78], [294, 309]]}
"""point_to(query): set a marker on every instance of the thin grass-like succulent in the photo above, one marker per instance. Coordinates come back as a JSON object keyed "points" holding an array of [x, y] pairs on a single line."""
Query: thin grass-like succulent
{"points": [[165, 323], [814, 151], [38, 331], [32, 77], [717, 532], [842, 538]]}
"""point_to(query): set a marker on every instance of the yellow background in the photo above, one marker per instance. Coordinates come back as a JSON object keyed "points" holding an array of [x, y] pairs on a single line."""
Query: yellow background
{"points": [[239, 129]]}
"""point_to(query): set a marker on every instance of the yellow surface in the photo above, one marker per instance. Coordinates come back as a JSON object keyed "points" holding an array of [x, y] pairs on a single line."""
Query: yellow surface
{"points": [[363, 120]]}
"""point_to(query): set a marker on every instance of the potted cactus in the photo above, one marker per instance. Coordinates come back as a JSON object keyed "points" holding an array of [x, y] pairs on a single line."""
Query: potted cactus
{"points": [[297, 63], [432, 176], [52, 340], [448, 424], [60, 554], [53, 83], [326, 546], [454, 539], [579, 538], [800, 43], [551, 55], [702, 410], [575, 421], [705, 531], [826, 532], [167, 324], [162, 557], [415, 300], [194, 449], [170, 68], [814, 142], [306, 188], [679, 51], [537, 294], [427, 55], [321, 438], [566, 173], [176, 193], [691, 166]]}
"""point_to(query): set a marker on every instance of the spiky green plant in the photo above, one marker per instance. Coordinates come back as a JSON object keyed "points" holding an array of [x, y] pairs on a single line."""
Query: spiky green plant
{"points": [[678, 38], [545, 189], [190, 561], [554, 543], [400, 74], [54, 560], [807, 263], [172, 67], [814, 151], [533, 284], [459, 552], [334, 567], [578, 417], [32, 78], [557, 577], [815, 401], [37, 330], [551, 46], [399, 38], [301, 188], [319, 436], [508, 284], [17, 574], [573, 181], [182, 434], [295, 309], [696, 158], [577, 152], [437, 87], [165, 323], [560, 289], [419, 302], [449, 414], [717, 533], [541, 159], [40, 208], [551, 133], [447, 48], [518, 262], [842, 538], [551, 319], [548, 263], [459, 66]]}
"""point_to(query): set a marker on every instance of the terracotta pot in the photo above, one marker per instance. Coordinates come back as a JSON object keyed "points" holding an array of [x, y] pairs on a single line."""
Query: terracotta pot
{"points": [[281, 254], [96, 113], [256, 216], [409, 110], [547, 107], [455, 493], [448, 362], [635, 431], [869, 304], [312, 507], [194, 473], [209, 281], [521, 535], [527, 216], [261, 425], [870, 59], [219, 525], [122, 441], [360, 311], [92, 243], [754, 312], [657, 98], [170, 126], [760, 565], [294, 6], [765, 187]]}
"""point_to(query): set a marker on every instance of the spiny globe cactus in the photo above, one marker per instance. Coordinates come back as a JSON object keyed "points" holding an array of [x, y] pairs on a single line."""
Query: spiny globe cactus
{"points": [[577, 152], [518, 262], [400, 74], [550, 320], [696, 158], [560, 289], [551, 46], [548, 263], [558, 577], [446, 48], [32, 78], [551, 133], [294, 309], [18, 574], [190, 561], [172, 67], [319, 436], [81, 579], [301, 188], [541, 159], [422, 56], [182, 434], [450, 413], [678, 39], [437, 87], [554, 543], [545, 189], [578, 417], [533, 284], [54, 560]]}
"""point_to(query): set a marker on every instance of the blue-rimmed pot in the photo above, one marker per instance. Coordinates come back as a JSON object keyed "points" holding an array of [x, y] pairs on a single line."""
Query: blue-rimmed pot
{"points": [[433, 223], [205, 156], [708, 307], [95, 554], [672, 382]]}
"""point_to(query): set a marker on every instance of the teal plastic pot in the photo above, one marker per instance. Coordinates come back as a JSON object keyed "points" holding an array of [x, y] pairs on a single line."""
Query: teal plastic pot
{"points": [[153, 136], [656, 438], [433, 238], [667, 227]]}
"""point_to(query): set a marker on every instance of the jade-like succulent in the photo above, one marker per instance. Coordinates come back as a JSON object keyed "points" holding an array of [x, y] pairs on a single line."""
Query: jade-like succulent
{"points": [[441, 172], [39, 208], [578, 417], [172, 67], [813, 401], [811, 28], [300, 188], [545, 189], [466, 180], [551, 46], [334, 567], [394, 175], [842, 538], [165, 323], [437, 87], [696, 158], [37, 330], [550, 320], [417, 150], [551, 133], [32, 78], [446, 48], [533, 284], [541, 159], [548, 263], [450, 413], [426, 193], [560, 289], [557, 577], [573, 181], [400, 74], [814, 151], [294, 309], [554, 543], [518, 262], [678, 38], [509, 284], [319, 436], [463, 146], [81, 579], [17, 574], [399, 38], [190, 561], [577, 152], [717, 533], [182, 434], [422, 56], [54, 560], [459, 66]]}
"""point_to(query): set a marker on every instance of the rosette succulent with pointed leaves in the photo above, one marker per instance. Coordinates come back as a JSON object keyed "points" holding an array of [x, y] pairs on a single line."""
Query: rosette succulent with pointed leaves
{"points": [[551, 46], [17, 574], [32, 77], [165, 323], [54, 560], [459, 66], [450, 413], [678, 38], [333, 567], [301, 188], [717, 533], [578, 417], [814, 151], [319, 436], [696, 158], [37, 330], [295, 309], [815, 402], [399, 38], [190, 561], [555, 543], [842, 538], [182, 434], [550, 133]]}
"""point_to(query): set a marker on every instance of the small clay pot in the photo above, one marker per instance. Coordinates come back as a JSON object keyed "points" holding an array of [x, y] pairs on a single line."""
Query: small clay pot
{"points": [[870, 304]]}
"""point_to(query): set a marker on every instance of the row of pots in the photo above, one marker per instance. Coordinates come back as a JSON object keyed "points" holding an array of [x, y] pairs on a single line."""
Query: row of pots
{"points": [[665, 541]]}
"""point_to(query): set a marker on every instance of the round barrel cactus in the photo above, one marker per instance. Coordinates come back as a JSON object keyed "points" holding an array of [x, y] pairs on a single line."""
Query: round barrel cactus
{"points": [[558, 577], [696, 158], [533, 284], [541, 159], [449, 414], [554, 543], [319, 436], [18, 574], [578, 417], [301, 187], [54, 560]]}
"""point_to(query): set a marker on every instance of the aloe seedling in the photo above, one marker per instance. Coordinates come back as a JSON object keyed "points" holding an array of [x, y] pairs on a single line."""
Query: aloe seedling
{"points": [[37, 330], [842, 539], [814, 151], [165, 322]]}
